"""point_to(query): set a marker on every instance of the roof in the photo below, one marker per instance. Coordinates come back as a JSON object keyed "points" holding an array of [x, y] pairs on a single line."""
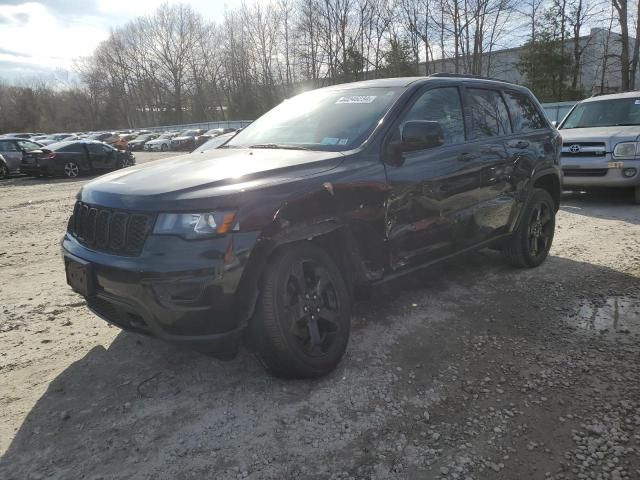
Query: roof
{"points": [[404, 82], [614, 96]]}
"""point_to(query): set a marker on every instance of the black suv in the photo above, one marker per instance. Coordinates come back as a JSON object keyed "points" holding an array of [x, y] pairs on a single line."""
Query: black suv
{"points": [[265, 238]]}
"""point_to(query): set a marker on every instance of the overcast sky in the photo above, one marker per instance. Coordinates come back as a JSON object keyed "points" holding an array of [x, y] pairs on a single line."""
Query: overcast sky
{"points": [[38, 37]]}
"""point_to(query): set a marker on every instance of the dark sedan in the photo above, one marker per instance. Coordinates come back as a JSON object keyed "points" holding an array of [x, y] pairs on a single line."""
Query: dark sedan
{"points": [[74, 158], [138, 142], [186, 140]]}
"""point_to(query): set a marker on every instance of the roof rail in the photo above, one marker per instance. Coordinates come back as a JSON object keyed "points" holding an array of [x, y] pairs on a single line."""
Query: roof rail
{"points": [[465, 75]]}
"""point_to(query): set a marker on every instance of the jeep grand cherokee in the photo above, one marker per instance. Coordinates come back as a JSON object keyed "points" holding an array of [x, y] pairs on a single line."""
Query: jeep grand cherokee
{"points": [[264, 239]]}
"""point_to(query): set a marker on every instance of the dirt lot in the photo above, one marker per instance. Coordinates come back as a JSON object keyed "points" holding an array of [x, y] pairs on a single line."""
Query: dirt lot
{"points": [[471, 370]]}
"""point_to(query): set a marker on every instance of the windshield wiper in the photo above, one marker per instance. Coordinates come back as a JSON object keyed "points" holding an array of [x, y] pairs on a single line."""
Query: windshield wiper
{"points": [[278, 145]]}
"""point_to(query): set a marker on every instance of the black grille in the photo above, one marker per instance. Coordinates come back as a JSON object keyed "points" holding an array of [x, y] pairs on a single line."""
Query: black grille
{"points": [[113, 231], [584, 172]]}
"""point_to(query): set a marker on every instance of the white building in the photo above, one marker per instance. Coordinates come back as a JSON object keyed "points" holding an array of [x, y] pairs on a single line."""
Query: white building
{"points": [[599, 69]]}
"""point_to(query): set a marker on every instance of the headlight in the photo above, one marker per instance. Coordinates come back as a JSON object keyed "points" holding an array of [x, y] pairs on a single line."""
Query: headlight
{"points": [[195, 225], [625, 149]]}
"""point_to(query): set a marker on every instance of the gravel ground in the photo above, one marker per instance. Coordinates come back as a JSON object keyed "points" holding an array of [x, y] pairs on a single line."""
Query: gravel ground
{"points": [[470, 370]]}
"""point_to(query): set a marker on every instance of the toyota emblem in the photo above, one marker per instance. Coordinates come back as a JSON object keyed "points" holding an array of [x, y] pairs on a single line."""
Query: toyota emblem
{"points": [[574, 148]]}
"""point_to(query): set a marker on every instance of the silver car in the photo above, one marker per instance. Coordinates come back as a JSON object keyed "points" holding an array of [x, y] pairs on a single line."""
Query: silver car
{"points": [[13, 151], [601, 143], [10, 156]]}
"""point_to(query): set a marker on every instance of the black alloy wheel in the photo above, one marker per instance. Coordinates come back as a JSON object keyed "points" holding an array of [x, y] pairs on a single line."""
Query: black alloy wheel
{"points": [[4, 171], [540, 229], [529, 245], [312, 305], [302, 323]]}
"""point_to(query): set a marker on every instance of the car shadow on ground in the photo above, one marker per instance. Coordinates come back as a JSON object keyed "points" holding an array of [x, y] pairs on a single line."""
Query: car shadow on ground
{"points": [[138, 397], [612, 203]]}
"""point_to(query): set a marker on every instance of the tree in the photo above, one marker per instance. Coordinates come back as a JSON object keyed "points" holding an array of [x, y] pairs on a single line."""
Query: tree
{"points": [[545, 63], [398, 61]]}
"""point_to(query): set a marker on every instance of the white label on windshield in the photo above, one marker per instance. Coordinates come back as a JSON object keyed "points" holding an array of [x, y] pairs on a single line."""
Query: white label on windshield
{"points": [[357, 99], [329, 141]]}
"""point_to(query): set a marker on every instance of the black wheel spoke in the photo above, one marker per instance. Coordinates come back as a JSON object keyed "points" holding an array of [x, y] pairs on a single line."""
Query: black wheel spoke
{"points": [[328, 315], [314, 332], [297, 272], [546, 217], [323, 281]]}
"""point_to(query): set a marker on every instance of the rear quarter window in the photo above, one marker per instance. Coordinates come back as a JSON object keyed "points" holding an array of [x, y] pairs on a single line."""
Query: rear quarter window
{"points": [[525, 116]]}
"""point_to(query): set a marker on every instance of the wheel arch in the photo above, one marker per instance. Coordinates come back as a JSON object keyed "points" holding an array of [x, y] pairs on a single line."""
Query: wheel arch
{"points": [[330, 234], [549, 181]]}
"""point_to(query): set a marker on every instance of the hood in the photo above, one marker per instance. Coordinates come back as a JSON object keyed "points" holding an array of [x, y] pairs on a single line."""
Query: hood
{"points": [[189, 181], [610, 136], [158, 140]]}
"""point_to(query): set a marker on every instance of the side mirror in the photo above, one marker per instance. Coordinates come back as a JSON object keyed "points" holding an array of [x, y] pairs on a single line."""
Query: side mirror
{"points": [[420, 135]]}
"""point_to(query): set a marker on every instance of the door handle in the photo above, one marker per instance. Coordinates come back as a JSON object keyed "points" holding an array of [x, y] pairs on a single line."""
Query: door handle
{"points": [[521, 144], [466, 156]]}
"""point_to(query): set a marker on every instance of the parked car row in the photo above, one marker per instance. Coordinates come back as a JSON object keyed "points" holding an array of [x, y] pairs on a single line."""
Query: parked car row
{"points": [[72, 154], [68, 158]]}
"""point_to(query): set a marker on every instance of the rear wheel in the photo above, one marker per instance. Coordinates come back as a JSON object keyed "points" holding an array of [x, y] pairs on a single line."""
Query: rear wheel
{"points": [[164, 147], [4, 171], [71, 169], [529, 246], [302, 323]]}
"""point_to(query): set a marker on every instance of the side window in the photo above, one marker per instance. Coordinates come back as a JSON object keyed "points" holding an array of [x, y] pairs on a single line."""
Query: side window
{"points": [[441, 105], [489, 115], [8, 146], [524, 114], [96, 148], [28, 146]]}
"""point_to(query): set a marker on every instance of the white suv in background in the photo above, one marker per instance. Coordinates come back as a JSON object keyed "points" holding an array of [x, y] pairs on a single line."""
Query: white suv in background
{"points": [[601, 143]]}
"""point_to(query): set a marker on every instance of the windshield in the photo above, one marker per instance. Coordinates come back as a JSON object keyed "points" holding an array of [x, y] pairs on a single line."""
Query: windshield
{"points": [[604, 113], [325, 119]]}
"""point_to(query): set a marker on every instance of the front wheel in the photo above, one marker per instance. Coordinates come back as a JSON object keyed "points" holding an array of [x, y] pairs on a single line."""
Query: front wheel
{"points": [[530, 244], [71, 170], [164, 147], [302, 323], [4, 171]]}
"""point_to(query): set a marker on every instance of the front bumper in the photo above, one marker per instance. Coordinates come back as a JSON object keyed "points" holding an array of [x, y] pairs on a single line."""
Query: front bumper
{"points": [[183, 292], [599, 172]]}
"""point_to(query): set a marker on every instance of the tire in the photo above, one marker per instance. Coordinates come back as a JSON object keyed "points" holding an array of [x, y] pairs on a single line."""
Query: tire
{"points": [[530, 243], [636, 195], [4, 171], [71, 169], [164, 147], [124, 163], [301, 330]]}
